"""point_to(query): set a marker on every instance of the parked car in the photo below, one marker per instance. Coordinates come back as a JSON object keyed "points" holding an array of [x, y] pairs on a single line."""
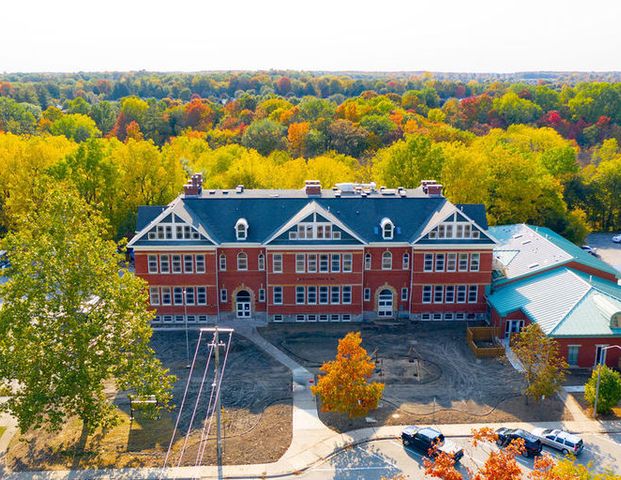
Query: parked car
{"points": [[617, 238], [591, 250], [560, 440], [532, 444], [430, 442]]}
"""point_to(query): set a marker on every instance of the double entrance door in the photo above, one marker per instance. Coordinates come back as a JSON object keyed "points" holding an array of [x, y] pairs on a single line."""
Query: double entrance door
{"points": [[384, 304], [243, 304]]}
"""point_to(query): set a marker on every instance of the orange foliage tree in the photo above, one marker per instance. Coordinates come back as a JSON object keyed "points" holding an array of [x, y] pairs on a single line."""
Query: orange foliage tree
{"points": [[296, 136], [345, 387]]}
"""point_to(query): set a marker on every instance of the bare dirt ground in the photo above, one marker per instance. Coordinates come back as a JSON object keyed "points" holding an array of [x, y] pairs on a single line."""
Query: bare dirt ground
{"points": [[257, 417], [430, 374]]}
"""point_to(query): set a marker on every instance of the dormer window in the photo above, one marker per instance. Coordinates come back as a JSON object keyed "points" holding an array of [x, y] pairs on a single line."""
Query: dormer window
{"points": [[241, 229], [388, 229]]}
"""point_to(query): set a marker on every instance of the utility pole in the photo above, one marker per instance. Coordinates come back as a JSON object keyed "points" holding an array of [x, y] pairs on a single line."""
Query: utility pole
{"points": [[600, 361], [216, 378]]}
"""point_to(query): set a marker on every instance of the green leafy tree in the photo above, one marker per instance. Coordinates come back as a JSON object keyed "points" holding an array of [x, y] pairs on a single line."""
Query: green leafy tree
{"points": [[264, 136], [73, 320], [16, 117], [609, 389], [345, 387], [544, 367], [513, 109], [76, 127]]}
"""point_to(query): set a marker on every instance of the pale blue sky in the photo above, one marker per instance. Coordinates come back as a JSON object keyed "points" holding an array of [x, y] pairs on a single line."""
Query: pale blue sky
{"points": [[190, 35]]}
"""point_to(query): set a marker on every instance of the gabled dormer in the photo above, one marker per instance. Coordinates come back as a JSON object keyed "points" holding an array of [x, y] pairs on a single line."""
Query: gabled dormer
{"points": [[388, 228], [453, 226]]}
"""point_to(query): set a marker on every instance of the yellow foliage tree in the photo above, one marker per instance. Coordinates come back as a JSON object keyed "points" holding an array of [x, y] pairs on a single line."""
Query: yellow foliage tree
{"points": [[345, 387]]}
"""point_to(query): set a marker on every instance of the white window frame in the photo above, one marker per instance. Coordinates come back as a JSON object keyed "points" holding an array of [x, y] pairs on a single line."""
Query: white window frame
{"points": [[201, 295], [475, 262], [405, 261], [428, 262], [335, 295], [277, 263], [324, 295], [461, 292], [438, 293], [388, 229], [473, 298], [335, 262], [324, 263], [367, 294], [311, 294], [176, 264], [154, 295], [178, 291], [261, 262], [300, 295], [190, 297], [200, 263], [224, 295], [312, 263], [152, 263], [261, 295], [440, 262], [222, 262], [346, 295], [427, 294], [461, 266], [188, 264], [348, 260], [165, 260], [387, 261], [367, 261], [451, 262], [277, 295], [404, 294], [242, 262], [449, 294], [300, 263]]}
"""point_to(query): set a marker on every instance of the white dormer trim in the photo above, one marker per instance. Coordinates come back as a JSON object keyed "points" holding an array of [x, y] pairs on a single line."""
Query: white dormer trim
{"points": [[178, 208], [388, 228], [241, 229], [309, 209]]}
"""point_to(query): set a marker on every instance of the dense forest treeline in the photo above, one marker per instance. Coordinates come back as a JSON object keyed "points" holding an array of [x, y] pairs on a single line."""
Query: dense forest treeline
{"points": [[538, 151]]}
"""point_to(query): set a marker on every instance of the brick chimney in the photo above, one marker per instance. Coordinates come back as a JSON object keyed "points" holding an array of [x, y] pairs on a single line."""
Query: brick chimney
{"points": [[312, 187], [194, 186], [434, 190]]}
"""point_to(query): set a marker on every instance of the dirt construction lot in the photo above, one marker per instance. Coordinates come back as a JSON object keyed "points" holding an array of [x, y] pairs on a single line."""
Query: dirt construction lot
{"points": [[257, 415], [430, 374]]}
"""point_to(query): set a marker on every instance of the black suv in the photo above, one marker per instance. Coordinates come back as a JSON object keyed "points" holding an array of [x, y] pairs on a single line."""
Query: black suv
{"points": [[531, 443], [430, 442]]}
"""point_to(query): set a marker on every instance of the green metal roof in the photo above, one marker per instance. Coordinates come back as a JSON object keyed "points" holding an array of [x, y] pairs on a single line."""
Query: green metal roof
{"points": [[561, 301]]}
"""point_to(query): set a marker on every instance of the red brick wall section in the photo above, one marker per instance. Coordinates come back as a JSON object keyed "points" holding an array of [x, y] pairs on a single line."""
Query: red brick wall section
{"points": [[586, 352]]}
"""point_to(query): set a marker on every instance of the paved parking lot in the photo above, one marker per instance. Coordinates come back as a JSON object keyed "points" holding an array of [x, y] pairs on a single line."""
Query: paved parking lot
{"points": [[388, 458], [609, 252]]}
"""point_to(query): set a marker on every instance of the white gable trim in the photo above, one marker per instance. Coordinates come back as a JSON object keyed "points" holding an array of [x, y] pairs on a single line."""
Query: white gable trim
{"points": [[175, 207], [309, 209], [452, 210]]}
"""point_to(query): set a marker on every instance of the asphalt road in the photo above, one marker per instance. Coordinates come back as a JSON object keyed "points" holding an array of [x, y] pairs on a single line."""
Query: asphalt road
{"points": [[387, 458], [609, 252]]}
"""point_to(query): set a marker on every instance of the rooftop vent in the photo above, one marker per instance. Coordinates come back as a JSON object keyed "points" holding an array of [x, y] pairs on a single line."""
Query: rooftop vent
{"points": [[239, 189], [533, 265]]}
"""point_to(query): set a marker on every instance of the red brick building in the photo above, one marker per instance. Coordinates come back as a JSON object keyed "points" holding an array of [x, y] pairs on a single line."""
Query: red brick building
{"points": [[347, 254]]}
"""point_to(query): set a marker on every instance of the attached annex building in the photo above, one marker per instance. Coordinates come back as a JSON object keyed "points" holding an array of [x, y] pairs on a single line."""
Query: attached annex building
{"points": [[347, 254], [574, 297]]}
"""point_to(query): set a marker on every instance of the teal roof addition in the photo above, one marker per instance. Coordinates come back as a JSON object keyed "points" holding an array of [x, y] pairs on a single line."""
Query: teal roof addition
{"points": [[524, 249], [563, 302]]}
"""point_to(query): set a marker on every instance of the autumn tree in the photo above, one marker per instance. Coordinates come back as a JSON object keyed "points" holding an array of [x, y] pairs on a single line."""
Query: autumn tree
{"points": [[540, 356], [609, 389], [345, 386], [73, 320]]}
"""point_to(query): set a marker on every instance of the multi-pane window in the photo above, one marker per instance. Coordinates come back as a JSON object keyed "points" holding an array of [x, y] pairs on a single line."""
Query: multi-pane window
{"points": [[314, 231], [277, 293], [450, 294], [405, 263], [166, 297], [438, 294], [336, 262], [312, 294], [475, 260], [461, 294], [347, 262], [152, 262], [277, 263], [176, 263], [473, 292], [178, 295], [312, 263], [323, 295], [463, 262], [428, 266], [261, 295], [300, 263], [242, 261], [347, 294], [335, 295], [572, 355], [261, 262], [164, 264], [367, 261], [367, 294], [200, 263], [404, 294], [189, 296], [223, 262], [188, 264], [427, 289], [451, 262], [386, 261], [201, 295], [439, 262], [154, 294], [324, 263], [224, 295], [299, 295]]}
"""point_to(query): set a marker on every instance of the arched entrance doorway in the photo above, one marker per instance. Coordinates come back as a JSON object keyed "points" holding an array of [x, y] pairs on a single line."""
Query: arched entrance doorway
{"points": [[384, 304], [243, 304]]}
